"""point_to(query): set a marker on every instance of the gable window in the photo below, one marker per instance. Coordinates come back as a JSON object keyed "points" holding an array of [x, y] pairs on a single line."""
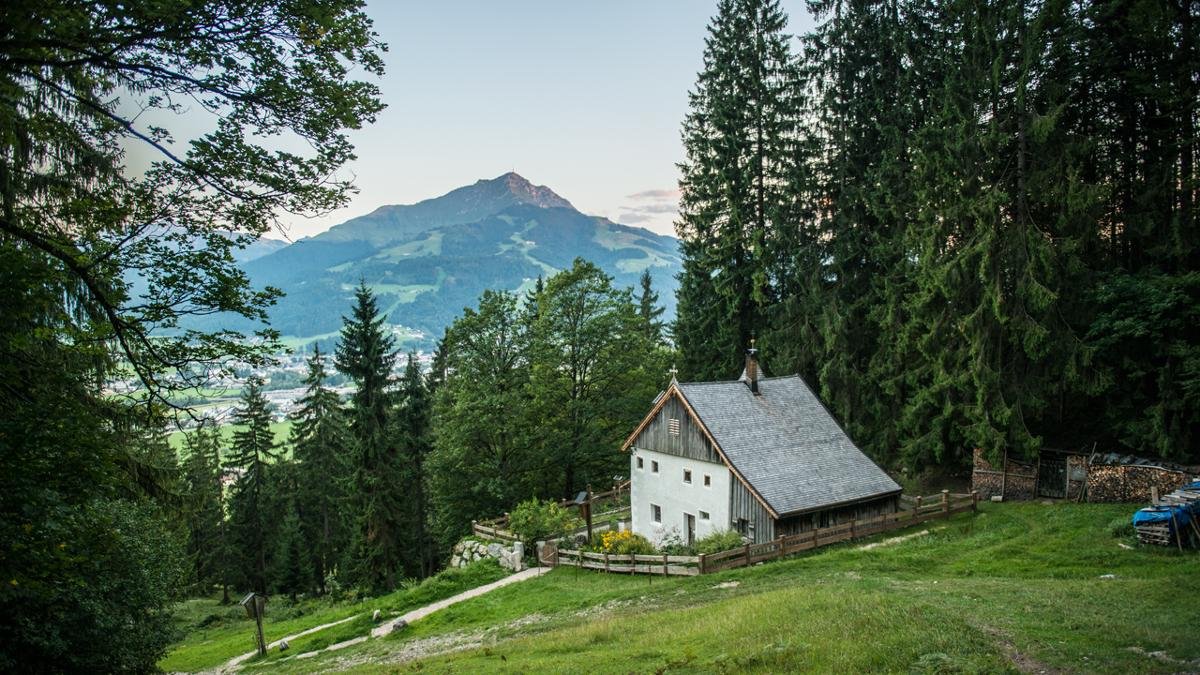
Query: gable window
{"points": [[707, 479], [653, 466], [673, 426], [743, 526], [656, 513], [639, 462], [687, 476], [704, 515]]}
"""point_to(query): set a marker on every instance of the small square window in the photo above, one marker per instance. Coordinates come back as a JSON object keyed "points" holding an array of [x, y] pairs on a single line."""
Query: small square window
{"points": [[656, 513], [687, 476], [704, 515], [653, 466], [673, 426], [707, 480], [639, 462]]}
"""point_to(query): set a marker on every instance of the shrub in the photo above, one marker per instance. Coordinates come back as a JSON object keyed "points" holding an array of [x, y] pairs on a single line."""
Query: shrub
{"points": [[624, 543], [672, 544], [716, 542], [534, 519]]}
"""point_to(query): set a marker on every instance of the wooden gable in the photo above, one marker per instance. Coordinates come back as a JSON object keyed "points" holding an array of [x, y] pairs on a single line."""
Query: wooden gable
{"points": [[673, 428]]}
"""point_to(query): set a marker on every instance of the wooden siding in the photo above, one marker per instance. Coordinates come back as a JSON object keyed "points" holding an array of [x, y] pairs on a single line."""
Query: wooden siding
{"points": [[835, 516], [690, 442], [742, 504]]}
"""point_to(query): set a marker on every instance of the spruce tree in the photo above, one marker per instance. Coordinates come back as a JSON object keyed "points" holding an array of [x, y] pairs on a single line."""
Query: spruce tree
{"points": [[414, 434], [738, 141], [250, 456], [321, 446], [365, 354], [207, 548], [649, 310]]}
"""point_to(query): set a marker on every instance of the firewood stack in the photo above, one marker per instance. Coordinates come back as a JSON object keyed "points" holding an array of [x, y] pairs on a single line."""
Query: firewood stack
{"points": [[1131, 483]]}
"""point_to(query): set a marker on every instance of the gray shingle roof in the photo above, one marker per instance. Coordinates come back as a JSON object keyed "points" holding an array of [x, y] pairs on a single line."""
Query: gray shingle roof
{"points": [[786, 444]]}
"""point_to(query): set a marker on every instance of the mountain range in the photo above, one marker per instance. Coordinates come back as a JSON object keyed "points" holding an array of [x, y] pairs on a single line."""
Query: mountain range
{"points": [[429, 260]]}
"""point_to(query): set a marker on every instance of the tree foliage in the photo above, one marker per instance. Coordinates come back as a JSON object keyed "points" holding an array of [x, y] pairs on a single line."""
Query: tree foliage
{"points": [[987, 225]]}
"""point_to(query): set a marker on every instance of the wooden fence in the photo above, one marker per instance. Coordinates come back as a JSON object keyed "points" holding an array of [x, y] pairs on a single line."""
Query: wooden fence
{"points": [[496, 529], [918, 510]]}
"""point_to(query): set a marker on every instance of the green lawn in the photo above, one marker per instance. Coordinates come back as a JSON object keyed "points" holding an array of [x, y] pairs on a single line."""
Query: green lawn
{"points": [[1019, 586], [281, 430], [213, 633]]}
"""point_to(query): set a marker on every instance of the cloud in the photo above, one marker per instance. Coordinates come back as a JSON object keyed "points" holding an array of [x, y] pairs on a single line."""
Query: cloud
{"points": [[655, 195], [633, 218], [662, 207]]}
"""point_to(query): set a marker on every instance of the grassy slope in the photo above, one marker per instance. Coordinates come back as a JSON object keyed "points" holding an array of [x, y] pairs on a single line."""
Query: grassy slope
{"points": [[228, 633], [1017, 584]]}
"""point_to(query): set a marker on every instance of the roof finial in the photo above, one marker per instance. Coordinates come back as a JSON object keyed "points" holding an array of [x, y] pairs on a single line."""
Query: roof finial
{"points": [[673, 372]]}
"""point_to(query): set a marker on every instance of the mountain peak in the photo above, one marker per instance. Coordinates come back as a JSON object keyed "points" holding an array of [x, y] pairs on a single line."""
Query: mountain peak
{"points": [[525, 192]]}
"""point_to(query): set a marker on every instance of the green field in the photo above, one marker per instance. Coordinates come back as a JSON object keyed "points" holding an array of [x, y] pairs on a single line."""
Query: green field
{"points": [[1017, 587], [281, 430]]}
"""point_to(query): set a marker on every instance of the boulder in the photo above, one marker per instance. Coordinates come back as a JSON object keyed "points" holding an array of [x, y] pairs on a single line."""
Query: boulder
{"points": [[283, 645], [455, 561], [398, 624], [494, 550], [375, 616]]}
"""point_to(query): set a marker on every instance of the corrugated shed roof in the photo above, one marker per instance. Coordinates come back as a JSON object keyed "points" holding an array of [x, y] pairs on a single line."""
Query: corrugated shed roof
{"points": [[786, 444]]}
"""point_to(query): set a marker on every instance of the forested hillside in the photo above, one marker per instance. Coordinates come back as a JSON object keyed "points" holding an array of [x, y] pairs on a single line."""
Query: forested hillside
{"points": [[970, 225]]}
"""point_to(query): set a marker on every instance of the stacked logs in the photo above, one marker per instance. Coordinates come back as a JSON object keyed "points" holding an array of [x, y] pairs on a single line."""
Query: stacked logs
{"points": [[1131, 483]]}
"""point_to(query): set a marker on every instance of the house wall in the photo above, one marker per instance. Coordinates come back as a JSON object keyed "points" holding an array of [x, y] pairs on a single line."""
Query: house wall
{"points": [[667, 489], [836, 516], [743, 504]]}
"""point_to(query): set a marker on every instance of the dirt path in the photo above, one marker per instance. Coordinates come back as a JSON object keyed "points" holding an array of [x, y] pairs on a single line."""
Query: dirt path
{"points": [[412, 616], [234, 664]]}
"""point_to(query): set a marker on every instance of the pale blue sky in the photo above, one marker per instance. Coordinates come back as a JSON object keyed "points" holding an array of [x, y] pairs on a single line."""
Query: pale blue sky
{"points": [[583, 96]]}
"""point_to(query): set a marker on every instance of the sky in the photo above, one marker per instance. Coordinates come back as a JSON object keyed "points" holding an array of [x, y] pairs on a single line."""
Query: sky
{"points": [[585, 97]]}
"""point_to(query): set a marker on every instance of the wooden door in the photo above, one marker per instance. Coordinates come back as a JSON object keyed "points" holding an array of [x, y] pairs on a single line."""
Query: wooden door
{"points": [[690, 526]]}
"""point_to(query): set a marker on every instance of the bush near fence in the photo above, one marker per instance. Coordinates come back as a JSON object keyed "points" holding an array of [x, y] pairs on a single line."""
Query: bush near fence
{"points": [[499, 529], [921, 509]]}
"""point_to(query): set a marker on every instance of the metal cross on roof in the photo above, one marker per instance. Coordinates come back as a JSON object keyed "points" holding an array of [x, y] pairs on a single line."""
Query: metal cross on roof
{"points": [[673, 372]]}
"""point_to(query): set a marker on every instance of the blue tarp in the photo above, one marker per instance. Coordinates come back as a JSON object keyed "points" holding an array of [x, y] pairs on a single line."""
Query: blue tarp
{"points": [[1159, 515]]}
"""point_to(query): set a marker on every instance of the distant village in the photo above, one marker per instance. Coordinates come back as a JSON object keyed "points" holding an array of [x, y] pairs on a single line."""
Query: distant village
{"points": [[282, 381]]}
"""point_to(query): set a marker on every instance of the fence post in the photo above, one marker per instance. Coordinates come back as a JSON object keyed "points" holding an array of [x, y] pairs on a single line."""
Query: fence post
{"points": [[814, 535], [747, 553], [975, 500], [779, 547], [946, 503], [852, 522], [665, 572], [917, 508], [701, 563]]}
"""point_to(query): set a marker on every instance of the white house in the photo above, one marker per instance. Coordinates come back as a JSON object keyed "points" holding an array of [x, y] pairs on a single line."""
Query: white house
{"points": [[759, 455]]}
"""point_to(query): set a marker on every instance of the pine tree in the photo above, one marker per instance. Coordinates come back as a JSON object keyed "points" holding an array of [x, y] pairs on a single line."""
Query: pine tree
{"points": [[321, 445], [649, 310], [413, 431], [292, 560], [366, 355], [207, 547], [252, 452], [738, 137]]}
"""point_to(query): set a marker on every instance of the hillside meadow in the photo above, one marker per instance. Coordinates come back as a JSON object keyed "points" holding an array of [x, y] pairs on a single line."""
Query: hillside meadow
{"points": [[1018, 587]]}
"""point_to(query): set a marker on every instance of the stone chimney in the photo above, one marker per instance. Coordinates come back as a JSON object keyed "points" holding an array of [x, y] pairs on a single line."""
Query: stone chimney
{"points": [[752, 368]]}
